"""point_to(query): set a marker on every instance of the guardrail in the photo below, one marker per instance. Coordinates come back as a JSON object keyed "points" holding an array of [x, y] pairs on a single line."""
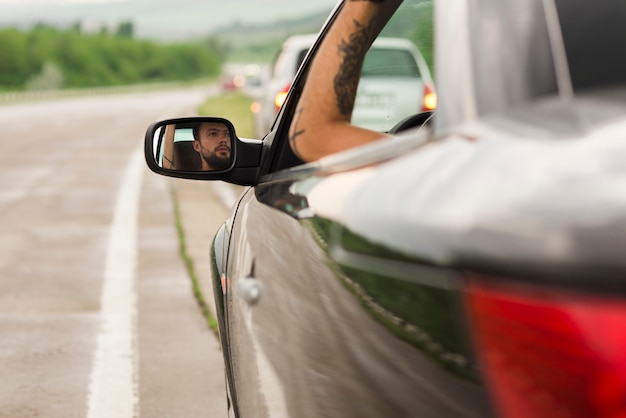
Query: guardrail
{"points": [[27, 96]]}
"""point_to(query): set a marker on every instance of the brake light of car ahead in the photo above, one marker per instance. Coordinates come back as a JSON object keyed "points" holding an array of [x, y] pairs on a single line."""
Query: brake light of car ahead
{"points": [[549, 353], [280, 97], [430, 98]]}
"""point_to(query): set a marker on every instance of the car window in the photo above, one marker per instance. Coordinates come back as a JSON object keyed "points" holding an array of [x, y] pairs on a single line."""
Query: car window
{"points": [[183, 134], [396, 78], [180, 135], [299, 59], [286, 65]]}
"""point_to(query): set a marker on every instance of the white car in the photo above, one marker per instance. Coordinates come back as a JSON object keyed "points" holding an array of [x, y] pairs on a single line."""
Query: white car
{"points": [[395, 82], [283, 71]]}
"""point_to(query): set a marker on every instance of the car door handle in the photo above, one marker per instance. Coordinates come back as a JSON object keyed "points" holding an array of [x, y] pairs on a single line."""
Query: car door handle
{"points": [[250, 288]]}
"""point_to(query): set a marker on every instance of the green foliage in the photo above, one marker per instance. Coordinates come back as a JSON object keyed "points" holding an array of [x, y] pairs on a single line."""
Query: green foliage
{"points": [[14, 64], [125, 30], [261, 42], [93, 60], [423, 34], [235, 107], [414, 21]]}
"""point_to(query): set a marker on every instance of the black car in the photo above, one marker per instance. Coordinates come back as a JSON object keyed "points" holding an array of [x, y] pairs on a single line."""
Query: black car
{"points": [[473, 265]]}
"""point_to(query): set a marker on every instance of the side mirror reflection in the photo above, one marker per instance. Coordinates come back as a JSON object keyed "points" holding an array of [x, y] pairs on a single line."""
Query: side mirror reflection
{"points": [[191, 144]]}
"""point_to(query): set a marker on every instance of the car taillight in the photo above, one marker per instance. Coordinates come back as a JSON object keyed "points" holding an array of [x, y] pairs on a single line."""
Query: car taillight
{"points": [[280, 97], [430, 98], [549, 353]]}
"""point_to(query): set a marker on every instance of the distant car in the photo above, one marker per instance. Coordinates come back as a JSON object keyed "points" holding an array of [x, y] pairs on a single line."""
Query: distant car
{"points": [[470, 266], [230, 82], [283, 70], [395, 82]]}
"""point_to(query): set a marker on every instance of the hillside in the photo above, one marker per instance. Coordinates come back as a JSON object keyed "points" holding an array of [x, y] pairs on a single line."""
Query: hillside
{"points": [[260, 42]]}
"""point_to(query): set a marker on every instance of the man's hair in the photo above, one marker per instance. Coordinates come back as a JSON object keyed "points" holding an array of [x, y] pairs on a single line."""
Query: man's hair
{"points": [[196, 130]]}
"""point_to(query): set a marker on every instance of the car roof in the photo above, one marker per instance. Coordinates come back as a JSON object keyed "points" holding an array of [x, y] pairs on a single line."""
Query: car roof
{"points": [[300, 41], [389, 42], [306, 40]]}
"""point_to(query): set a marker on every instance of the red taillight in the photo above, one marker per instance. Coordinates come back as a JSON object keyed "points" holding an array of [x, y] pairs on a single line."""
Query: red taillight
{"points": [[550, 354], [280, 97], [430, 98]]}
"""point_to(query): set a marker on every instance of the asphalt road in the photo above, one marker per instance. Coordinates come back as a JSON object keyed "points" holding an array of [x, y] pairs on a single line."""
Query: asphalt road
{"points": [[97, 314]]}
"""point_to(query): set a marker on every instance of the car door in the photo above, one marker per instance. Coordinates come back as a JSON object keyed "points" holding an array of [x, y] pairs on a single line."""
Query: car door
{"points": [[269, 254], [343, 322]]}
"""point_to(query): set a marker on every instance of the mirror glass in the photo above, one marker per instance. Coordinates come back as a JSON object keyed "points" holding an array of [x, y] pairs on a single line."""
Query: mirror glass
{"points": [[193, 144]]}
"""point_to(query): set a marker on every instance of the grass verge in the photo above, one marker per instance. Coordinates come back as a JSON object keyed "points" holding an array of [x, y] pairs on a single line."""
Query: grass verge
{"points": [[234, 106]]}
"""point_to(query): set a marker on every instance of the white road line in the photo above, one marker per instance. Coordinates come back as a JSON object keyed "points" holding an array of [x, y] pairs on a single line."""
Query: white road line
{"points": [[113, 388]]}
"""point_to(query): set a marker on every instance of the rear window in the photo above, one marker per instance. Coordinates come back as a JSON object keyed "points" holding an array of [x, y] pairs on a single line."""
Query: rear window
{"points": [[300, 58], [284, 64], [184, 134], [389, 62]]}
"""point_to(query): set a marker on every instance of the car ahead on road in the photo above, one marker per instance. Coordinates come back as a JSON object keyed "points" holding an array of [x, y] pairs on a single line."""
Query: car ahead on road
{"points": [[470, 266], [393, 71]]}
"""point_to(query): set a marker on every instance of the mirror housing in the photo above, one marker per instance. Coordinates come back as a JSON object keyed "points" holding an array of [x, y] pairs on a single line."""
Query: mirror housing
{"points": [[202, 148]]}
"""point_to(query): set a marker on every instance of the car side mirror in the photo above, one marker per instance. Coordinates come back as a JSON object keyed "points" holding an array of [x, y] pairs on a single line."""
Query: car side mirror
{"points": [[202, 148], [191, 144]]}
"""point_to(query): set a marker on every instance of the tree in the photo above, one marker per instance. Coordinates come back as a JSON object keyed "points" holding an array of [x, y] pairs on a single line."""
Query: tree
{"points": [[14, 64], [50, 78], [125, 29]]}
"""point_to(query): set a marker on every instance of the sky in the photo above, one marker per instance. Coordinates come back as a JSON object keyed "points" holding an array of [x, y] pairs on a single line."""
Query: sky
{"points": [[164, 19], [60, 1]]}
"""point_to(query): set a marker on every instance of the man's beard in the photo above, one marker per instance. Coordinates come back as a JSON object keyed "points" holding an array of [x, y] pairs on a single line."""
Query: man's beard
{"points": [[218, 163]]}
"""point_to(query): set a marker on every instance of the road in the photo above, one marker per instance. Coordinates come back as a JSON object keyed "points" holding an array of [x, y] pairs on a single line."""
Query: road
{"points": [[97, 314]]}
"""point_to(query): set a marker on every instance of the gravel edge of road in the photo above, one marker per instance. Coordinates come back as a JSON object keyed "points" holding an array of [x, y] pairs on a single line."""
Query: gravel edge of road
{"points": [[188, 260]]}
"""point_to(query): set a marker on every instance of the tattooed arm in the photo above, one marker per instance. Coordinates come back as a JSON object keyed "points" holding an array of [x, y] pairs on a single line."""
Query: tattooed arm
{"points": [[321, 125]]}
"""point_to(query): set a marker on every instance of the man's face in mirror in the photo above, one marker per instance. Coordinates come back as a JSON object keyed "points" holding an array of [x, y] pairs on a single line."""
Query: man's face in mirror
{"points": [[212, 142]]}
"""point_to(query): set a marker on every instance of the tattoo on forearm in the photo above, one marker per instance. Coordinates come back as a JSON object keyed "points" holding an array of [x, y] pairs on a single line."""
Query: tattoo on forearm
{"points": [[295, 132], [347, 79]]}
